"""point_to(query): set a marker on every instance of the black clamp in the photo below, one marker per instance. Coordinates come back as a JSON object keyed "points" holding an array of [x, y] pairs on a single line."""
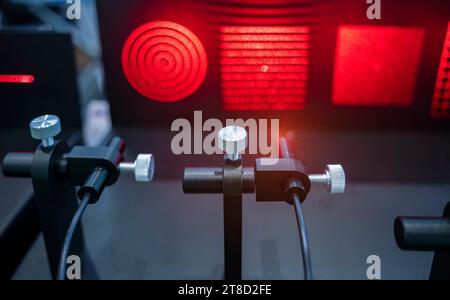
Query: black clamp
{"points": [[91, 168], [278, 179]]}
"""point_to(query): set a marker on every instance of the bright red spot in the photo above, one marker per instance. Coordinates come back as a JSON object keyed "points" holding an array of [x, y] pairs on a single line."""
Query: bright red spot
{"points": [[376, 65], [264, 67], [164, 61], [16, 78], [440, 106]]}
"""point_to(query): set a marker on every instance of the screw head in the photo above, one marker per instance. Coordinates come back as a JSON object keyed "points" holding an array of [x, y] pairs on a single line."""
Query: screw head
{"points": [[232, 139], [45, 127], [144, 167], [335, 179]]}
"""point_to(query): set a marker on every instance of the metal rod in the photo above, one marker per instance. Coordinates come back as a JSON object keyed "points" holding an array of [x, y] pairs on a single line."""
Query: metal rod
{"points": [[232, 216], [318, 178], [210, 180], [17, 164], [47, 142], [127, 168], [284, 148], [422, 233]]}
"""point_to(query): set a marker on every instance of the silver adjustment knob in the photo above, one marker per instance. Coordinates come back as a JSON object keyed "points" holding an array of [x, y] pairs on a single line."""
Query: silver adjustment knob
{"points": [[45, 128], [143, 168], [333, 178], [232, 140]]}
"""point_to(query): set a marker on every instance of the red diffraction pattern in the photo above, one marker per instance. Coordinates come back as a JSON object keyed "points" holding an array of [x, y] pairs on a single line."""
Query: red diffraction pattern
{"points": [[440, 106], [164, 61], [16, 78], [264, 67], [376, 65]]}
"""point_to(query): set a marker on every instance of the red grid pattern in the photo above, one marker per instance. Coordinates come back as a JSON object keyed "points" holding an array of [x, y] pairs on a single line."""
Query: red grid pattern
{"points": [[264, 67], [440, 105]]}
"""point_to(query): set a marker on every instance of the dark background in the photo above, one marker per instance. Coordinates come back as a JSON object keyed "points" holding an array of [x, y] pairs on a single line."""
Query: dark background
{"points": [[49, 58], [117, 19]]}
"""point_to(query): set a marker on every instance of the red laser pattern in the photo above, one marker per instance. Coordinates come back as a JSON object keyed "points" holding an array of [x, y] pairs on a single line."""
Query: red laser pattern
{"points": [[164, 61], [16, 78], [376, 65], [440, 105], [264, 67]]}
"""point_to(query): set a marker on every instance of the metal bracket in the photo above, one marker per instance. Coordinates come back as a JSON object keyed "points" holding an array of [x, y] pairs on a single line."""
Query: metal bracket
{"points": [[81, 160], [56, 202]]}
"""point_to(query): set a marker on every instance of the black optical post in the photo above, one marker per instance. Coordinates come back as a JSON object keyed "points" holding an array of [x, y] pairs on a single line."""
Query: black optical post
{"points": [[282, 179], [56, 170], [427, 234], [232, 216]]}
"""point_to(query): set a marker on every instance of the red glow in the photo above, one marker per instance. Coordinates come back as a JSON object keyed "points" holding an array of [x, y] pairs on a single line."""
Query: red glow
{"points": [[264, 67], [376, 65], [265, 29], [273, 13], [16, 78], [164, 61], [440, 106]]}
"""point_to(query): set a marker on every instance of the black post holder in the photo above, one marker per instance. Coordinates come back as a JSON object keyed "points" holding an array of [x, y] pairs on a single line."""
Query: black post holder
{"points": [[271, 179], [55, 172], [56, 203]]}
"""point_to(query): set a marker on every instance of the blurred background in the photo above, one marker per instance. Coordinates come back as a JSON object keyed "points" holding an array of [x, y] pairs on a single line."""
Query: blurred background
{"points": [[364, 88]]}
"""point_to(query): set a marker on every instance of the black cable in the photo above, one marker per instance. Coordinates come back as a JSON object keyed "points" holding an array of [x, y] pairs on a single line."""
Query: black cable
{"points": [[306, 255], [68, 238]]}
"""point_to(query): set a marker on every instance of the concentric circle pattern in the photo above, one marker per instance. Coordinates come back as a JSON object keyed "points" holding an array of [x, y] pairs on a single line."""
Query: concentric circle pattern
{"points": [[164, 61]]}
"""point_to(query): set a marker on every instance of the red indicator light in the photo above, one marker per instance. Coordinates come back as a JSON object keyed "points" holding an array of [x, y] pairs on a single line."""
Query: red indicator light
{"points": [[440, 105], [376, 65], [164, 61], [16, 78], [264, 67]]}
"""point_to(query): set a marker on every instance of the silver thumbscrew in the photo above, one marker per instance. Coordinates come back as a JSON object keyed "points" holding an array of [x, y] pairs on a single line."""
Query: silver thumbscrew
{"points": [[45, 128], [333, 178], [142, 168], [232, 140]]}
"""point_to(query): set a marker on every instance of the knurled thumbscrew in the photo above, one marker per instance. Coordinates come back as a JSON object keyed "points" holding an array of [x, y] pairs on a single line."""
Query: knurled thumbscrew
{"points": [[44, 128], [232, 140], [143, 168], [333, 178]]}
